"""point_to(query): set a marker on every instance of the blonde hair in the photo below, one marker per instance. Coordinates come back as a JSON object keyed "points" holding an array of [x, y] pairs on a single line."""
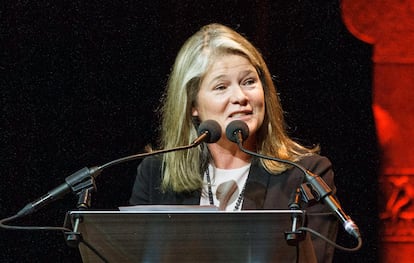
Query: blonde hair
{"points": [[182, 170]]}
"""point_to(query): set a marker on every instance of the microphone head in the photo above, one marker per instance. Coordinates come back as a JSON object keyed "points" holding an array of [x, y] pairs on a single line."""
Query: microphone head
{"points": [[212, 129], [236, 127]]}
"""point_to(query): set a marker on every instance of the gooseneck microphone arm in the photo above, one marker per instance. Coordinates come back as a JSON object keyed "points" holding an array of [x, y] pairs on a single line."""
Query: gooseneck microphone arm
{"points": [[209, 131], [143, 155], [85, 178], [82, 183], [236, 132]]}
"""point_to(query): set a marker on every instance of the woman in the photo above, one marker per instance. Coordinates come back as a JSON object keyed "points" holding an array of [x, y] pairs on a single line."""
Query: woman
{"points": [[219, 75]]}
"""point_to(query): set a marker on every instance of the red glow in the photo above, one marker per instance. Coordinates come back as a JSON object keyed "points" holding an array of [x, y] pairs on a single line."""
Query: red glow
{"points": [[388, 25]]}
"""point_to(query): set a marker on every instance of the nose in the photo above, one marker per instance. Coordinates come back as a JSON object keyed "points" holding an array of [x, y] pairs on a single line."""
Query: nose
{"points": [[238, 96]]}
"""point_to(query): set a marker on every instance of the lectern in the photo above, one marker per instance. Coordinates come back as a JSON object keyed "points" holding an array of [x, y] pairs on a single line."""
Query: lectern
{"points": [[167, 235]]}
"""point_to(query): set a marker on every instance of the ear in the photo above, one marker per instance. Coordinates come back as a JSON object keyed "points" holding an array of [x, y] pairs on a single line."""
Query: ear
{"points": [[194, 112]]}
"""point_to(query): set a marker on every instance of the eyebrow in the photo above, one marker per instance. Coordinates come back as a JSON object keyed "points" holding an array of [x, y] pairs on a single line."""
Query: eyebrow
{"points": [[242, 73]]}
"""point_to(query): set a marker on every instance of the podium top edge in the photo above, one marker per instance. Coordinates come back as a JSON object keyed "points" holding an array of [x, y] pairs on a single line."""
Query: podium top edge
{"points": [[150, 211]]}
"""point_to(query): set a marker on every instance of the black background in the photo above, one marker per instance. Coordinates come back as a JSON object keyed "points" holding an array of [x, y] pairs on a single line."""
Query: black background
{"points": [[81, 80]]}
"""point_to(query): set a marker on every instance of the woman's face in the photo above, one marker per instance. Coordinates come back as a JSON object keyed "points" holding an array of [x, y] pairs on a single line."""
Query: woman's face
{"points": [[231, 90]]}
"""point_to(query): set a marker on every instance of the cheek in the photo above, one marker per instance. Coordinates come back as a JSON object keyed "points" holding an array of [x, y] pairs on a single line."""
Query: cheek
{"points": [[260, 107], [259, 100], [211, 107]]}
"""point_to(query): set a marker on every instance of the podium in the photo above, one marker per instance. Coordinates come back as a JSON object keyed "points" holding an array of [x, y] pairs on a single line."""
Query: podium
{"points": [[189, 236]]}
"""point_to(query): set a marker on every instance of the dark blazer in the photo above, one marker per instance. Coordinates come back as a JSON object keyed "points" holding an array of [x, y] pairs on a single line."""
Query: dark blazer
{"points": [[263, 191]]}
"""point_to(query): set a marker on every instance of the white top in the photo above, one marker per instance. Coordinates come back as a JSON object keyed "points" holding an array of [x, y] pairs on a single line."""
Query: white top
{"points": [[226, 184]]}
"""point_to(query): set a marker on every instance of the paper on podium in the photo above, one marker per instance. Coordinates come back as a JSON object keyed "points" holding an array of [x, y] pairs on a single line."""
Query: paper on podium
{"points": [[192, 208]]}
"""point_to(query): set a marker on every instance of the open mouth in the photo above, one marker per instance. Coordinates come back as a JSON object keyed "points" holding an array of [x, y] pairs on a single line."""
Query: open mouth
{"points": [[240, 114]]}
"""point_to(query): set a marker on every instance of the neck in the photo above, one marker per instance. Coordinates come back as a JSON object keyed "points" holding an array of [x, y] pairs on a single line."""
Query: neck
{"points": [[227, 155]]}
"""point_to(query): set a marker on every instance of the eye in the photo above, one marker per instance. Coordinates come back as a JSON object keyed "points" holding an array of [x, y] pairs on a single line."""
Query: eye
{"points": [[249, 82], [220, 87]]}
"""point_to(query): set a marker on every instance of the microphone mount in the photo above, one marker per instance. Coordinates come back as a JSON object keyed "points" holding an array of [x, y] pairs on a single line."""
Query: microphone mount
{"points": [[209, 131], [236, 132]]}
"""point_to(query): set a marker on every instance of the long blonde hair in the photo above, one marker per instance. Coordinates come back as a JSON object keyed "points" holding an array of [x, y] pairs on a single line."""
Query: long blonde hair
{"points": [[182, 170]]}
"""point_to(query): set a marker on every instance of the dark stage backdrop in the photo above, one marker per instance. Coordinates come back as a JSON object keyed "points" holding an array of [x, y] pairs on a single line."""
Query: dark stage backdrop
{"points": [[81, 82]]}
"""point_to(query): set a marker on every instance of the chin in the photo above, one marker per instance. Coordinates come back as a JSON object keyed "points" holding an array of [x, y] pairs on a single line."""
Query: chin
{"points": [[254, 126]]}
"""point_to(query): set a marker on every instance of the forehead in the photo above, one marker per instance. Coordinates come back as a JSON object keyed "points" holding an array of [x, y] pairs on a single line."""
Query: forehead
{"points": [[228, 64]]}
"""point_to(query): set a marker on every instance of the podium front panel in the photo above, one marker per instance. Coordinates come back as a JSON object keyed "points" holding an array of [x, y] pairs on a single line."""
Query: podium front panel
{"points": [[188, 236]]}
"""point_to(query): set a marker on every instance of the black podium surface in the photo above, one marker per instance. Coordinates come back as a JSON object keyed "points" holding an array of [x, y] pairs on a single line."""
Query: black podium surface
{"points": [[189, 236]]}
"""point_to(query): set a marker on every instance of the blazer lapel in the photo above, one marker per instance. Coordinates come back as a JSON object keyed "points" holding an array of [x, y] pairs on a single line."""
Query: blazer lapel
{"points": [[256, 187]]}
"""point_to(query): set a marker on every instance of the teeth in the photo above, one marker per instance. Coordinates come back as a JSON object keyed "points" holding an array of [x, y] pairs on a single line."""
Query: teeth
{"points": [[238, 115]]}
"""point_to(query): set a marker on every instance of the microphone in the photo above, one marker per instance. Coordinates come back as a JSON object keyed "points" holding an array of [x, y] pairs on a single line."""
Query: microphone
{"points": [[294, 235], [209, 131], [237, 131], [84, 178]]}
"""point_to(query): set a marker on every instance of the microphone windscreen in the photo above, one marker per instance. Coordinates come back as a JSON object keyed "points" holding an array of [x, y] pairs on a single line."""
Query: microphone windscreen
{"points": [[212, 129], [235, 127]]}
